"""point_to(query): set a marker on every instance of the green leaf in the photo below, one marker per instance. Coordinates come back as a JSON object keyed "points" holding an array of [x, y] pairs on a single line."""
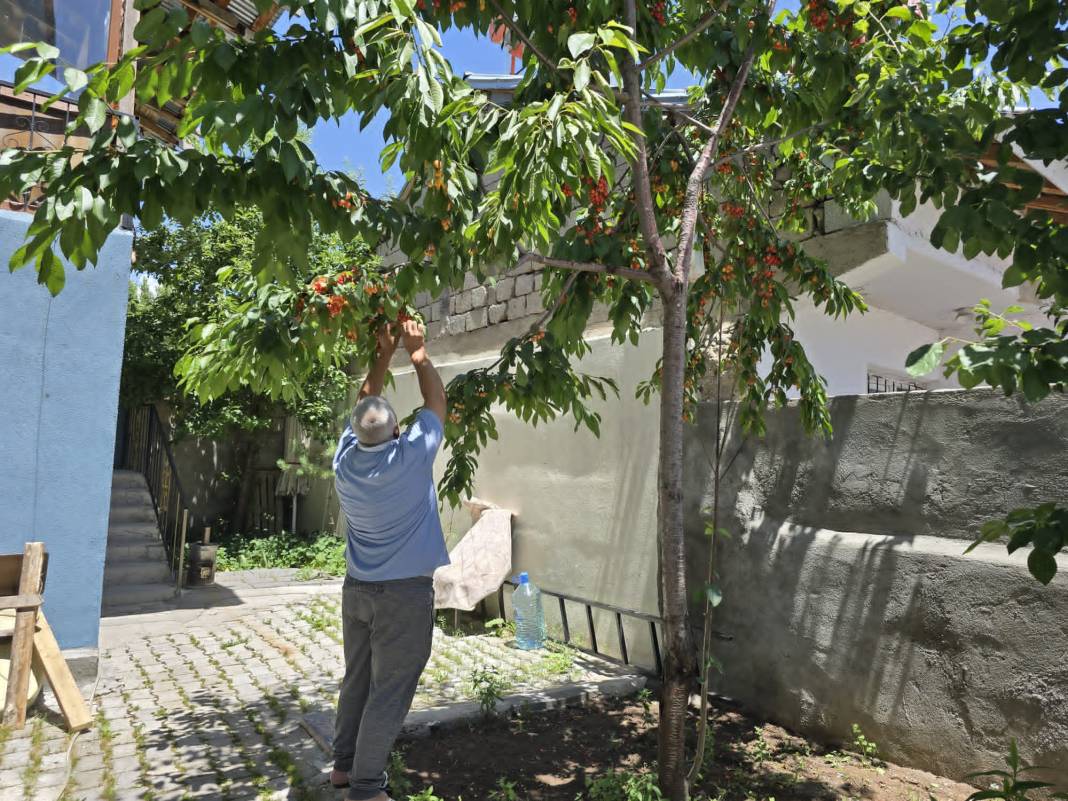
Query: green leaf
{"points": [[925, 358], [1042, 566], [714, 595], [582, 75], [50, 271], [579, 43], [75, 78], [94, 112], [900, 12]]}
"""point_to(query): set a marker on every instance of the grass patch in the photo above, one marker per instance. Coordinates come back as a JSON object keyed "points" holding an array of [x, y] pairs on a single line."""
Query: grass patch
{"points": [[322, 553]]}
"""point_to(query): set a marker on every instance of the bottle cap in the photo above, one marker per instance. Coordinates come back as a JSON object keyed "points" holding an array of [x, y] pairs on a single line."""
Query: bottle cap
{"points": [[524, 578]]}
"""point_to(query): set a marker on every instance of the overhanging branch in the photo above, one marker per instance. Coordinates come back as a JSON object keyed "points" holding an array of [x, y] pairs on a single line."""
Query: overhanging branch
{"points": [[586, 267], [696, 31]]}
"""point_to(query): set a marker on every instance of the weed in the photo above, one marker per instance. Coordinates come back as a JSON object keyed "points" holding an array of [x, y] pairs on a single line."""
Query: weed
{"points": [[32, 770], [488, 686], [236, 641], [399, 783], [625, 787], [559, 661], [107, 751], [760, 750], [505, 791], [645, 698], [427, 794], [500, 627], [867, 750], [1013, 787]]}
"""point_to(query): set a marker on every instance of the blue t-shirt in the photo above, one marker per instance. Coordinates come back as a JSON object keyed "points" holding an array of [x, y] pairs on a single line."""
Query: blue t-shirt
{"points": [[387, 497]]}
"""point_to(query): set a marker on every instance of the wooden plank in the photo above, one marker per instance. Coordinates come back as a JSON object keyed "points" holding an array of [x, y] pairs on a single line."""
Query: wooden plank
{"points": [[18, 681], [32, 601], [49, 660]]}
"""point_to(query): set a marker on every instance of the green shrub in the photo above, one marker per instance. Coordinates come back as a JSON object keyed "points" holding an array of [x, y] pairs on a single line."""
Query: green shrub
{"points": [[625, 787], [322, 553]]}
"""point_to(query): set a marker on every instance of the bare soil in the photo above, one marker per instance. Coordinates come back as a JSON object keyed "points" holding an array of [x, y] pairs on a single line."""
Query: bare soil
{"points": [[551, 756]]}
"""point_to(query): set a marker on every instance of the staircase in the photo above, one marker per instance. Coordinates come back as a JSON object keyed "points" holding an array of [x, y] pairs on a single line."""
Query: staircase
{"points": [[136, 569]]}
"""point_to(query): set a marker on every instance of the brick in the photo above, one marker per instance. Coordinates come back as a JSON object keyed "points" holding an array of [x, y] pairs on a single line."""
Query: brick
{"points": [[422, 298], [497, 313], [504, 288], [537, 282], [461, 303], [478, 297], [517, 307], [524, 284], [476, 318], [470, 281], [455, 324], [534, 304], [435, 329]]}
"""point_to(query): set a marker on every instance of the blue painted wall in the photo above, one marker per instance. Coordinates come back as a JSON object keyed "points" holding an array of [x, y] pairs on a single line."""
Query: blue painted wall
{"points": [[60, 360]]}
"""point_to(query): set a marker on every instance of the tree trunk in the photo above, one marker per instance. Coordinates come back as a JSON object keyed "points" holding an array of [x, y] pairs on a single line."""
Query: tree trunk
{"points": [[680, 667], [247, 484]]}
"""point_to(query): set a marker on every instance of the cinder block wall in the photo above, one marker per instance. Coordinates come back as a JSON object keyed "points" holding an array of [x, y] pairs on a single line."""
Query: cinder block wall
{"points": [[847, 595]]}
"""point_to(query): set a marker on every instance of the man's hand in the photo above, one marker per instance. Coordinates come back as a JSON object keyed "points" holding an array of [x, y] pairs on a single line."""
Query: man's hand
{"points": [[387, 341], [414, 339], [430, 384], [376, 378]]}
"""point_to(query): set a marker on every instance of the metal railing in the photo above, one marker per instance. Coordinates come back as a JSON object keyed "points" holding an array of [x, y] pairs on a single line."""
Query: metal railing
{"points": [[148, 451], [618, 612]]}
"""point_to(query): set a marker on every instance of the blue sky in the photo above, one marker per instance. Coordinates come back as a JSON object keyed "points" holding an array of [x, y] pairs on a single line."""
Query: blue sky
{"points": [[345, 147]]}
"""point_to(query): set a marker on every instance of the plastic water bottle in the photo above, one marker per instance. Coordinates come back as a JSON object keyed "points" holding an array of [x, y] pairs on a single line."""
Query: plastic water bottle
{"points": [[529, 616]]}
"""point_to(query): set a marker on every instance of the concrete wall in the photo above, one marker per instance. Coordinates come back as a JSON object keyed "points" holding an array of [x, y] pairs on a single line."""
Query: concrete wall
{"points": [[847, 596], [60, 360]]}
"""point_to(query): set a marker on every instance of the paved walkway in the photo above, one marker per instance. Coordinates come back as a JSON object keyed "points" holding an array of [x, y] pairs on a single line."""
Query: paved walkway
{"points": [[202, 701]]}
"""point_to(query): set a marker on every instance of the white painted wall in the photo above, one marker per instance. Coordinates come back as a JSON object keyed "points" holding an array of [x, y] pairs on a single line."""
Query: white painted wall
{"points": [[60, 361], [842, 351]]}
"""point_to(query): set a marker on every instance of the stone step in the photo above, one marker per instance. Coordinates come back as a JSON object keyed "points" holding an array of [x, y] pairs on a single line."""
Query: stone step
{"points": [[130, 496], [135, 571], [133, 534], [127, 479], [119, 550], [121, 515], [121, 595]]}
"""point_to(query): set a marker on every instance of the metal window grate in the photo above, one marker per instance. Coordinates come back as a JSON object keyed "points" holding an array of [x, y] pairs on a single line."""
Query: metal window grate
{"points": [[878, 384]]}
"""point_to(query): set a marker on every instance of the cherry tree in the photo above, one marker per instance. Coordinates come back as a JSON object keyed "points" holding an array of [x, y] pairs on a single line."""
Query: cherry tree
{"points": [[694, 212]]}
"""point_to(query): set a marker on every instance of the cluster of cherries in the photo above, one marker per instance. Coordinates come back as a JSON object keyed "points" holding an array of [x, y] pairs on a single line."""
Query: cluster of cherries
{"points": [[658, 12]]}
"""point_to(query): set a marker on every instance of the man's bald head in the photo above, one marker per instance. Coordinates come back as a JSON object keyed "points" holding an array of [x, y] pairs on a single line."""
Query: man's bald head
{"points": [[374, 421]]}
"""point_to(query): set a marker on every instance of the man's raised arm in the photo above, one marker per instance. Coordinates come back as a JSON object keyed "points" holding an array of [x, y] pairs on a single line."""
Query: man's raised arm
{"points": [[430, 384], [387, 344]]}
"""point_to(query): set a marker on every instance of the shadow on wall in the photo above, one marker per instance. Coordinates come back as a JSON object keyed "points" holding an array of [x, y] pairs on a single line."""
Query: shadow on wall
{"points": [[840, 605]]}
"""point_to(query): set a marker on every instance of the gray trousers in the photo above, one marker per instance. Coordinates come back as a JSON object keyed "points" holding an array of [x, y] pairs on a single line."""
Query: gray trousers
{"points": [[388, 628]]}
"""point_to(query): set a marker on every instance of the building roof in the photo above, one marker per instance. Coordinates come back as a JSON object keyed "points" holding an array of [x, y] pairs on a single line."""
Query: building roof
{"points": [[239, 18]]}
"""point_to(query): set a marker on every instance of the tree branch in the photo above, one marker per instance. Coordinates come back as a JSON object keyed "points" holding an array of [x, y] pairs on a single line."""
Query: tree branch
{"points": [[767, 143], [696, 31], [643, 195], [694, 186], [559, 302], [677, 111], [587, 267], [511, 25]]}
